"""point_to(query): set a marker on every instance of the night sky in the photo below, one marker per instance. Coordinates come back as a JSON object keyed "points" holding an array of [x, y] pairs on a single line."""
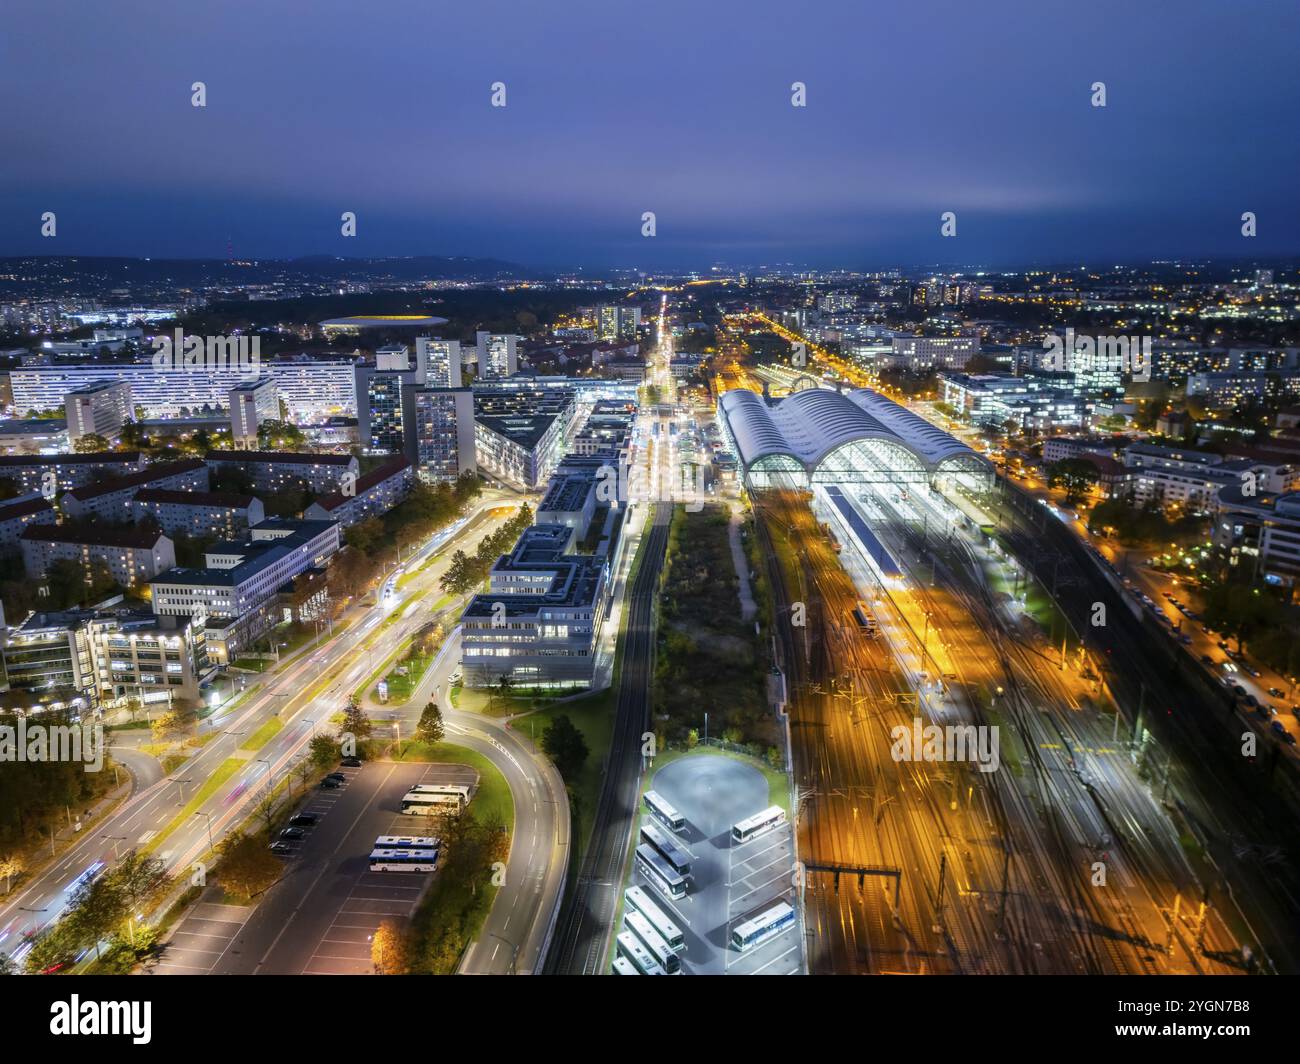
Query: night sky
{"points": [[683, 109]]}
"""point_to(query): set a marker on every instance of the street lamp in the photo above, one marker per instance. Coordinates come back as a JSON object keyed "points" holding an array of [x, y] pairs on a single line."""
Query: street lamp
{"points": [[209, 816]]}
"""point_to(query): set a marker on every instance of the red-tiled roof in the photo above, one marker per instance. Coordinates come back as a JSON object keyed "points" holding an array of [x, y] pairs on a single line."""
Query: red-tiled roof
{"points": [[107, 536], [145, 476], [376, 476]]}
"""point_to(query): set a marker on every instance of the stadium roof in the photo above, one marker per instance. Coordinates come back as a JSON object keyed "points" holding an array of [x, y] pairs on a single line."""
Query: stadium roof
{"points": [[384, 321], [809, 425]]}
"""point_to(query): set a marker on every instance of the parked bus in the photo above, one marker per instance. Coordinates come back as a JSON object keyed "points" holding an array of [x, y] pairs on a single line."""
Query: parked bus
{"points": [[758, 824], [429, 797], [623, 966], [403, 860], [639, 900], [659, 872], [668, 849], [627, 945], [766, 925], [663, 812], [663, 954], [407, 842]]}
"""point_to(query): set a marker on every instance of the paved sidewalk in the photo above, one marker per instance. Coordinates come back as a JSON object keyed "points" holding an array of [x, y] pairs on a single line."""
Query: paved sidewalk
{"points": [[748, 607]]}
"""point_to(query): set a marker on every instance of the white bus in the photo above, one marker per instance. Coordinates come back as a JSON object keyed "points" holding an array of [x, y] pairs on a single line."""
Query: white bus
{"points": [[623, 966], [406, 842], [639, 900], [758, 824], [432, 797], [403, 860], [659, 949], [659, 872], [668, 850], [663, 812], [767, 924], [629, 946]]}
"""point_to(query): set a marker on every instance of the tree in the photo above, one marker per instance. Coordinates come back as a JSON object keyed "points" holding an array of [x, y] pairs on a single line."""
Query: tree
{"points": [[566, 746], [247, 866], [430, 730], [501, 689], [1075, 475], [10, 866], [355, 721], [323, 751], [90, 443], [97, 910], [389, 950]]}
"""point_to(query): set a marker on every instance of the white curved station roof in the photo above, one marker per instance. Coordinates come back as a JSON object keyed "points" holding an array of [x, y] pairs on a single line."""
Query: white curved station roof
{"points": [[809, 425]]}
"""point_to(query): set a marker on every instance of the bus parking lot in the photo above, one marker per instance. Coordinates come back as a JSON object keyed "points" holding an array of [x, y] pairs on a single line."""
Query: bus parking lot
{"points": [[729, 881], [319, 918]]}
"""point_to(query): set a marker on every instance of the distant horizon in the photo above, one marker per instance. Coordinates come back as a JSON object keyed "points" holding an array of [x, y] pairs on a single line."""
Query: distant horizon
{"points": [[954, 266]]}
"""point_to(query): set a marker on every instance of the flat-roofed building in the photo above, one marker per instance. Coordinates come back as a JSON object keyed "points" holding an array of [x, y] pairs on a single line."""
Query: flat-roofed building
{"points": [[236, 593], [444, 433], [537, 623], [498, 354], [520, 434], [34, 436], [251, 404], [98, 409]]}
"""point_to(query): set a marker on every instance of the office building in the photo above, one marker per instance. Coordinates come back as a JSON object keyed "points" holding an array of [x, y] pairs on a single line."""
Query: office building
{"points": [[922, 354], [537, 623], [236, 594], [520, 434]]}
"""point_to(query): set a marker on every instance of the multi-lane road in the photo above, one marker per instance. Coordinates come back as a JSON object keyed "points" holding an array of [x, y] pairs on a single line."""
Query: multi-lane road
{"points": [[172, 820]]}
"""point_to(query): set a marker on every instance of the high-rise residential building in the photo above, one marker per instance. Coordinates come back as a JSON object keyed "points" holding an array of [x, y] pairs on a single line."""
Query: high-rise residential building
{"points": [[441, 361], [617, 323], [250, 405], [387, 423], [497, 354], [444, 433], [98, 409]]}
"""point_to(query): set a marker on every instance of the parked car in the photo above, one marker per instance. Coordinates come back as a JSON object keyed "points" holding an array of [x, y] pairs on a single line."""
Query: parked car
{"points": [[291, 834], [282, 849], [304, 820], [351, 762], [1277, 729], [329, 783], [1206, 659], [1275, 692], [337, 776], [1252, 670]]}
